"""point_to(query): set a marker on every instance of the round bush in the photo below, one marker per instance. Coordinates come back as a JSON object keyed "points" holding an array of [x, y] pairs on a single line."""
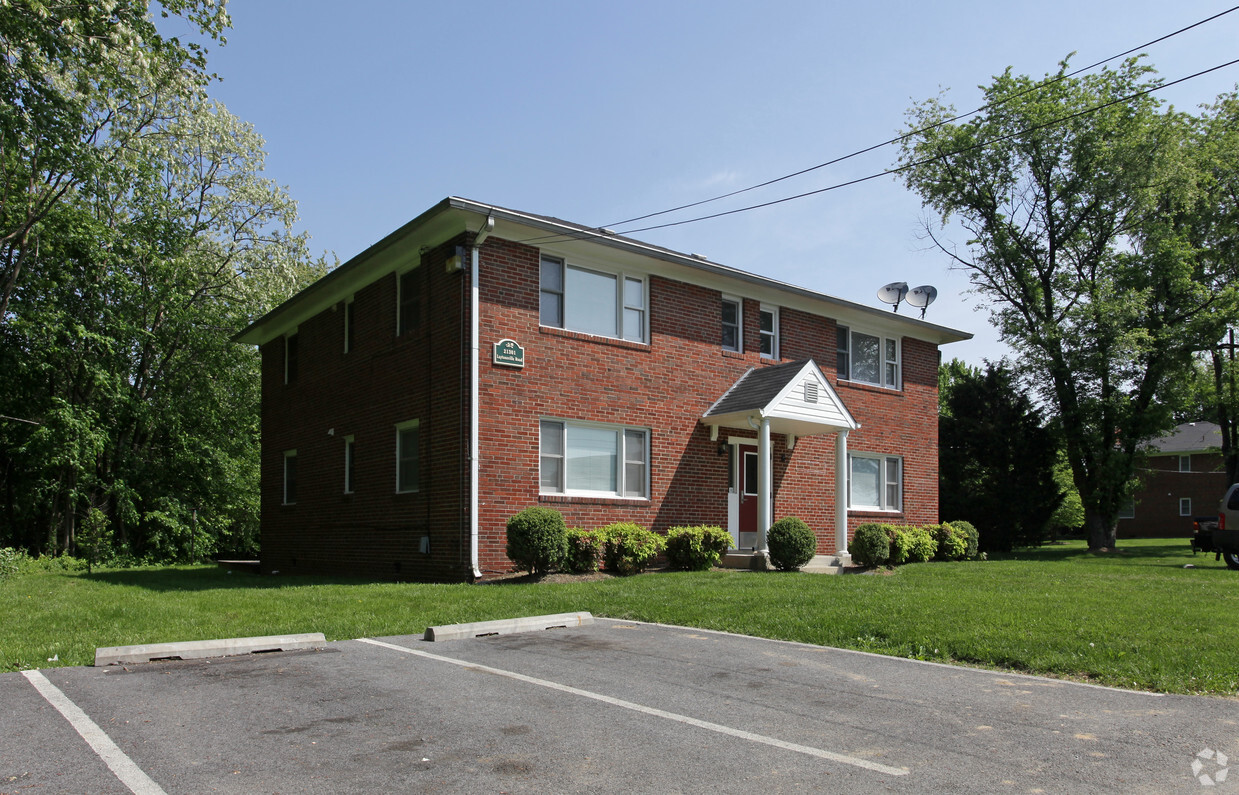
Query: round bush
{"points": [[791, 543], [921, 545], [629, 547], [537, 539], [870, 546], [971, 537], [696, 548], [952, 543], [584, 550]]}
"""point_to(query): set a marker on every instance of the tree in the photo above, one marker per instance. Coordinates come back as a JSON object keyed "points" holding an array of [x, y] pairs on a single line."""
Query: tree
{"points": [[996, 458], [1076, 194]]}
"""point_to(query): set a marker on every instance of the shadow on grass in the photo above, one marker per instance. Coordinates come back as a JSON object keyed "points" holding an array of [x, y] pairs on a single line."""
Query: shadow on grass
{"points": [[210, 578], [1171, 553]]}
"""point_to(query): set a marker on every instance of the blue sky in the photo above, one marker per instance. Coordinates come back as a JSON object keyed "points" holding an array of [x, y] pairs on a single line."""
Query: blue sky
{"points": [[374, 110]]}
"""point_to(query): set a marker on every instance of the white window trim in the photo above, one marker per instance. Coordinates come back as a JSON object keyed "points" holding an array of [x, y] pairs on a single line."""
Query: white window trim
{"points": [[882, 360], [1185, 506], [882, 468], [1185, 465], [620, 430], [773, 311], [621, 278], [400, 427], [739, 302], [350, 463], [284, 483]]}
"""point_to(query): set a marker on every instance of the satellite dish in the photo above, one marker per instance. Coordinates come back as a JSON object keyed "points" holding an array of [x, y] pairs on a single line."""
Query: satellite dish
{"points": [[893, 293], [922, 296]]}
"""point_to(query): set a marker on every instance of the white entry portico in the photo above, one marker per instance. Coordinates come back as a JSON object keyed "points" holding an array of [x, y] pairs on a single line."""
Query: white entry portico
{"points": [[794, 400]]}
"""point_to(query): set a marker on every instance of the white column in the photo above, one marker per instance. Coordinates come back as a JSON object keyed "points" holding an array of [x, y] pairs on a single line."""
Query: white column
{"points": [[841, 491], [765, 500]]}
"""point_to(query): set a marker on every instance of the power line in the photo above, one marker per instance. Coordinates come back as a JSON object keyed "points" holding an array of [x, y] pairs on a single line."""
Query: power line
{"points": [[605, 228]]}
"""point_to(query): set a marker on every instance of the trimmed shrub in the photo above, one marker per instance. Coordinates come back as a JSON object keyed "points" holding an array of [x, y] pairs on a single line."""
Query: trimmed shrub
{"points": [[791, 543], [629, 547], [952, 543], [696, 548], [971, 537], [920, 545], [584, 550], [900, 543], [870, 546], [537, 539]]}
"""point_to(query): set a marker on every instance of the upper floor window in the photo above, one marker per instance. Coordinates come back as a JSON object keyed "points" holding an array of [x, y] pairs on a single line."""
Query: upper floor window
{"points": [[1185, 463], [290, 358], [769, 318], [875, 482], [868, 358], [593, 302], [409, 304], [733, 327], [408, 456], [590, 459]]}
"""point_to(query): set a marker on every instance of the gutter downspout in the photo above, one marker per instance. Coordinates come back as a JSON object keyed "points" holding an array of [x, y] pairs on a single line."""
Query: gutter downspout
{"points": [[475, 350]]}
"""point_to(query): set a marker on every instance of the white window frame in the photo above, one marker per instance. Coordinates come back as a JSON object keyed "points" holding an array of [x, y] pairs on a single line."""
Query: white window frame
{"points": [[1185, 506], [739, 324], [409, 425], [289, 456], [623, 457], [622, 306], [773, 334], [1185, 465], [885, 463], [885, 365], [350, 464]]}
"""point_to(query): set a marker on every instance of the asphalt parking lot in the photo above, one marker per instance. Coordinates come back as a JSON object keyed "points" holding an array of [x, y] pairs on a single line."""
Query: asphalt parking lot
{"points": [[617, 706]]}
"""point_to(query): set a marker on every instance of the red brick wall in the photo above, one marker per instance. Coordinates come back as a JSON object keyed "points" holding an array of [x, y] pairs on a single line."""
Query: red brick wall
{"points": [[384, 380], [667, 386], [1162, 486]]}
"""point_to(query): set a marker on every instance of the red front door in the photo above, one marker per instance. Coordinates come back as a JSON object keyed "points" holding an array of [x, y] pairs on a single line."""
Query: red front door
{"points": [[748, 496]]}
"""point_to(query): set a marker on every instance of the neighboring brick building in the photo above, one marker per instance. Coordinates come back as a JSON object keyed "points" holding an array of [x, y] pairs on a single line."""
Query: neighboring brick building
{"points": [[1184, 478], [615, 380]]}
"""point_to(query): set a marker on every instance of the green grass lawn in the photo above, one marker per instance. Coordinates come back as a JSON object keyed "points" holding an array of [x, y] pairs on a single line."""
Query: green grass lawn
{"points": [[1135, 619]]}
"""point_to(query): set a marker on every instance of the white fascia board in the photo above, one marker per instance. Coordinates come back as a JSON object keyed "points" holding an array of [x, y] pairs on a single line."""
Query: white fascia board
{"points": [[811, 368]]}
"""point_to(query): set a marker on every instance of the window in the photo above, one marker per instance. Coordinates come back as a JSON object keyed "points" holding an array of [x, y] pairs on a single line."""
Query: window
{"points": [[769, 318], [1185, 506], [290, 477], [1185, 465], [867, 358], [1127, 510], [290, 358], [589, 459], [348, 325], [408, 458], [409, 302], [733, 328], [348, 464], [875, 482], [593, 302]]}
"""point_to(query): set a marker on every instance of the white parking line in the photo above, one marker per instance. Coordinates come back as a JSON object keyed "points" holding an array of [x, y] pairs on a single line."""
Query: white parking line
{"points": [[129, 773], [658, 713]]}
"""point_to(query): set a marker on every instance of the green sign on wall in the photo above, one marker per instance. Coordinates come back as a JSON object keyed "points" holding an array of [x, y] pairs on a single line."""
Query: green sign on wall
{"points": [[509, 353]]}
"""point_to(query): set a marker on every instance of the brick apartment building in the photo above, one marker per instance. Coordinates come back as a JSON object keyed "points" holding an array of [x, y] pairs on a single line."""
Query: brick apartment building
{"points": [[480, 360], [1184, 478]]}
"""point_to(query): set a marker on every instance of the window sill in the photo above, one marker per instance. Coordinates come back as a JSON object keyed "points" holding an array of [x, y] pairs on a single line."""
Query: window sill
{"points": [[730, 354], [581, 335], [889, 390], [874, 512], [568, 498]]}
